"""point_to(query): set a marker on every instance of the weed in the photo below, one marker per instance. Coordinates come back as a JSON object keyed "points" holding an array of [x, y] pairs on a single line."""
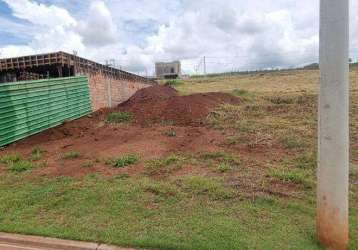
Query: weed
{"points": [[244, 94], [15, 163], [173, 83], [36, 153], [87, 164], [221, 157], [122, 176], [282, 99], [306, 161], [292, 176], [167, 123], [10, 158], [291, 141], [164, 166], [224, 167], [71, 155], [123, 161], [119, 117], [21, 166], [170, 133], [200, 185], [160, 188]]}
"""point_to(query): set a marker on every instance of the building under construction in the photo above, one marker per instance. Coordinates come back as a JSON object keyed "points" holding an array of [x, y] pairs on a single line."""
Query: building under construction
{"points": [[108, 86], [53, 65]]}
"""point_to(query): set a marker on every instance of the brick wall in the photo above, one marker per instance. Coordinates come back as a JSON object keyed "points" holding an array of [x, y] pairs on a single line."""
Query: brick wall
{"points": [[108, 92]]}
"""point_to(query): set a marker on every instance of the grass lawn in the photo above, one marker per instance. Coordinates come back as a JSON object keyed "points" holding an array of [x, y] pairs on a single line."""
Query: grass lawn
{"points": [[258, 192]]}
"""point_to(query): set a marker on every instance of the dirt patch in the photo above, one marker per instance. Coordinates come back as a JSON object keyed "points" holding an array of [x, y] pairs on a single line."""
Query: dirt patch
{"points": [[156, 110], [162, 104]]}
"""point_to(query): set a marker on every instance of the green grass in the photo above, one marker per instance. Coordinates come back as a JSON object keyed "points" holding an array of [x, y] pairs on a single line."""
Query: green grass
{"points": [[266, 199], [71, 155], [15, 163], [295, 176], [224, 167], [164, 165], [197, 213], [119, 117], [123, 161], [199, 185]]}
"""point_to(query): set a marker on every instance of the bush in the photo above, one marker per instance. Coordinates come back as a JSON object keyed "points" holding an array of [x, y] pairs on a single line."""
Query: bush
{"points": [[119, 117]]}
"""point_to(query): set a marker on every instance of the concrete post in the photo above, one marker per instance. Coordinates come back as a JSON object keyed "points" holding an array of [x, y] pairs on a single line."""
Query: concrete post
{"points": [[333, 128], [109, 90]]}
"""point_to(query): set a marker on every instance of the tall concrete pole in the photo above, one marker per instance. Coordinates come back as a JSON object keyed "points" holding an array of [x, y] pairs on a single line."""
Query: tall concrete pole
{"points": [[333, 130]]}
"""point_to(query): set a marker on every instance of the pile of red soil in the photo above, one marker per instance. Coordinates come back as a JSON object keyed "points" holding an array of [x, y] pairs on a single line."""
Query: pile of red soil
{"points": [[162, 104]]}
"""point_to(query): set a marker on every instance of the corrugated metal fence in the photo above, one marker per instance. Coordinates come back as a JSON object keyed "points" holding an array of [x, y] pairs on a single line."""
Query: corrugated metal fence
{"points": [[29, 107]]}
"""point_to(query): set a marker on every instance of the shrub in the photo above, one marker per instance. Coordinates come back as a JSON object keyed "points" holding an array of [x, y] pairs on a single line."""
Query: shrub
{"points": [[119, 117], [123, 161]]}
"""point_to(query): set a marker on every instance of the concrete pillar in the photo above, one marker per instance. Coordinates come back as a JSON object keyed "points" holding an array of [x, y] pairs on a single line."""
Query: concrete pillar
{"points": [[333, 130]]}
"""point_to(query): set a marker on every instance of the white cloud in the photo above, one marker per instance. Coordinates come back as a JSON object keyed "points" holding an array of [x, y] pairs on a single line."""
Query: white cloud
{"points": [[40, 14], [98, 29], [232, 34]]}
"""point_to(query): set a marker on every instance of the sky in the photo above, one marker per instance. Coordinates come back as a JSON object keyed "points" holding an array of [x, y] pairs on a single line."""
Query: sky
{"points": [[230, 34]]}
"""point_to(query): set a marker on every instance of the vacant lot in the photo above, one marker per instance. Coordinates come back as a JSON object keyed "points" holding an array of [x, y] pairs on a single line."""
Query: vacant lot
{"points": [[205, 171]]}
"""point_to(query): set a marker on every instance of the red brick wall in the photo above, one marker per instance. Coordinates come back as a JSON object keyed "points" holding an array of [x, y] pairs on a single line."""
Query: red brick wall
{"points": [[106, 92]]}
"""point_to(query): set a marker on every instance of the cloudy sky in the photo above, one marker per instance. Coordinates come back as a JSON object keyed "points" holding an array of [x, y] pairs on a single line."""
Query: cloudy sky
{"points": [[231, 34]]}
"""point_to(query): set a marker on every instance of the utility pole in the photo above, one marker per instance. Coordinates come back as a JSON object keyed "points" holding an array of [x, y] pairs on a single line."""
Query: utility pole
{"points": [[204, 65], [333, 128]]}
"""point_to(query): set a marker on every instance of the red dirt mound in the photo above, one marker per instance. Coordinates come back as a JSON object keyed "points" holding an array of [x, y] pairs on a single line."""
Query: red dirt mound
{"points": [[161, 104]]}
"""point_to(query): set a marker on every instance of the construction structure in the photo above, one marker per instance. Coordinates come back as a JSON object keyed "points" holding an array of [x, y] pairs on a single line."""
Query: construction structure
{"points": [[108, 86], [168, 70]]}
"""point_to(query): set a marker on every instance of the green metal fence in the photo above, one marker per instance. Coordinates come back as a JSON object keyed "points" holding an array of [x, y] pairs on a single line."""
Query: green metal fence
{"points": [[29, 107]]}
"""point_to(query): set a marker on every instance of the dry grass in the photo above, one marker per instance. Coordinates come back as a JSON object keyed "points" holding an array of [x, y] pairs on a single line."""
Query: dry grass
{"points": [[276, 82]]}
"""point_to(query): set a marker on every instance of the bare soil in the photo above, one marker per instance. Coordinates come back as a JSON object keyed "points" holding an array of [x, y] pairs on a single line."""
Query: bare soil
{"points": [[162, 104], [156, 110]]}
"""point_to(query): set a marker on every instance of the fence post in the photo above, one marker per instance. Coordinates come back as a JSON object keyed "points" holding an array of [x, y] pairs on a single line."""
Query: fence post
{"points": [[333, 128]]}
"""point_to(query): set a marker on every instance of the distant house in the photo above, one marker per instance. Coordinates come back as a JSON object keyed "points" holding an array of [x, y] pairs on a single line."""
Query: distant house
{"points": [[168, 70]]}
